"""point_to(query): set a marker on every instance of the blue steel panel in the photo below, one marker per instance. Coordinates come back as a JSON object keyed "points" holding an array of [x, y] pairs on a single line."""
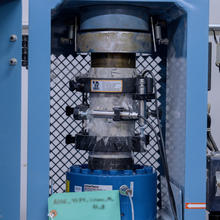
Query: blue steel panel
{"points": [[196, 106], [196, 102], [10, 111], [38, 109]]}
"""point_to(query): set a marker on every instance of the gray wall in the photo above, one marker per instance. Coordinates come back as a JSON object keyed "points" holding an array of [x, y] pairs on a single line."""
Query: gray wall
{"points": [[214, 12], [214, 95]]}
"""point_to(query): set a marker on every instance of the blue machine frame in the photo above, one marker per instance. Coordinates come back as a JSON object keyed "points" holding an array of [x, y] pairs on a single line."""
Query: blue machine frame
{"points": [[10, 111], [193, 54]]}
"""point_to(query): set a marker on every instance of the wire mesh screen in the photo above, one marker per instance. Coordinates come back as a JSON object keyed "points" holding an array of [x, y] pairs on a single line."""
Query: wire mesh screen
{"points": [[63, 156]]}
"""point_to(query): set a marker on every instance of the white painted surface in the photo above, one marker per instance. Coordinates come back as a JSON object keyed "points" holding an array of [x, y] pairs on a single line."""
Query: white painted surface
{"points": [[25, 6]]}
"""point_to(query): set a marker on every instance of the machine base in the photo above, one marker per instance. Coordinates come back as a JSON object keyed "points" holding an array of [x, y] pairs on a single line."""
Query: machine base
{"points": [[142, 182]]}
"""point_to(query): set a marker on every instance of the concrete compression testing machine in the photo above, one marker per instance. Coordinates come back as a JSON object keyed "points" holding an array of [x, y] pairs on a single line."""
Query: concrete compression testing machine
{"points": [[125, 105]]}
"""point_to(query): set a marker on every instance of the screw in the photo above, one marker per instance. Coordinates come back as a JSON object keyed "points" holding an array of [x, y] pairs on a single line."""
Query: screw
{"points": [[13, 38], [124, 190], [13, 61]]}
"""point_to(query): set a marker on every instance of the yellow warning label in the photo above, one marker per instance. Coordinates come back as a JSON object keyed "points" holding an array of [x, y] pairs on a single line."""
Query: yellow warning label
{"points": [[67, 186]]}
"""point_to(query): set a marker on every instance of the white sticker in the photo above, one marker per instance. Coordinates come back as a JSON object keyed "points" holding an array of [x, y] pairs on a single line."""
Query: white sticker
{"points": [[78, 188], [88, 187], [106, 85]]}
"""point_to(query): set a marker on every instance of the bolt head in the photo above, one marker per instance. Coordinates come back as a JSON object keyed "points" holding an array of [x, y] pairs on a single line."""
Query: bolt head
{"points": [[13, 38], [13, 61], [123, 190]]}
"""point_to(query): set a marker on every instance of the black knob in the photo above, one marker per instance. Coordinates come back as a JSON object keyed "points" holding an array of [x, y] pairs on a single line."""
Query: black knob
{"points": [[70, 139], [73, 85], [76, 86], [69, 110]]}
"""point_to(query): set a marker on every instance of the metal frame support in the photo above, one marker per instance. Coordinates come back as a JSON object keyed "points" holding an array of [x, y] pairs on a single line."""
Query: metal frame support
{"points": [[196, 101], [38, 109]]}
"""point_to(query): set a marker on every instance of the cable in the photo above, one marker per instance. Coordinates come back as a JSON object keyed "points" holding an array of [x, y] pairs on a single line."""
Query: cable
{"points": [[124, 190], [166, 171], [211, 144], [132, 205], [162, 149], [211, 139], [215, 37]]}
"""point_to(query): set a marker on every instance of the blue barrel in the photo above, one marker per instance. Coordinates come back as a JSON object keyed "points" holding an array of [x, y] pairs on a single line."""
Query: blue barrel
{"points": [[143, 181]]}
